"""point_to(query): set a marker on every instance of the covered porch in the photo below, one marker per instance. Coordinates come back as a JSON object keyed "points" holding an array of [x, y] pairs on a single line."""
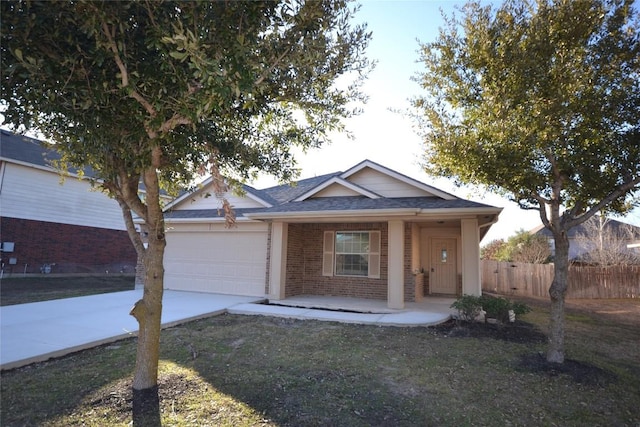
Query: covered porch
{"points": [[409, 262]]}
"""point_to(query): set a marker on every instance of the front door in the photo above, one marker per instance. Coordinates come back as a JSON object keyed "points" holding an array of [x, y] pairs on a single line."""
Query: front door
{"points": [[442, 272]]}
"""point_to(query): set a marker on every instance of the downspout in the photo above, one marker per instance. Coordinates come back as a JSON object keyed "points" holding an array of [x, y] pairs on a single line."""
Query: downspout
{"points": [[3, 167]]}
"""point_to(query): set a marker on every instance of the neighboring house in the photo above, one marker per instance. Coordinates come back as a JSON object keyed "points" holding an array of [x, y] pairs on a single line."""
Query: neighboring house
{"points": [[598, 238], [368, 232], [55, 224]]}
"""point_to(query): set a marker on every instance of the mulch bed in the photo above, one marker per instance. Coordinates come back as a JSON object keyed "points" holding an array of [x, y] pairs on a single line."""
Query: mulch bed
{"points": [[518, 332]]}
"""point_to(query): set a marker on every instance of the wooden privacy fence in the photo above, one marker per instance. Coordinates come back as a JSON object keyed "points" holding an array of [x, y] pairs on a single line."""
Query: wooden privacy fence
{"points": [[513, 278]]}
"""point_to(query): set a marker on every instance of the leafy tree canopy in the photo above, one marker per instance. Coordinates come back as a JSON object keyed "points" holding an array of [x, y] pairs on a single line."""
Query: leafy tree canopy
{"points": [[539, 101], [233, 83], [521, 247]]}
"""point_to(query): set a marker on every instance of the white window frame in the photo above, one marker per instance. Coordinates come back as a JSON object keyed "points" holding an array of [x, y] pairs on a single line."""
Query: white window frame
{"points": [[329, 254]]}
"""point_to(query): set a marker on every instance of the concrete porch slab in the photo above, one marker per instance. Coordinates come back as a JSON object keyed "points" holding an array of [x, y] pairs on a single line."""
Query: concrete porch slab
{"points": [[428, 312]]}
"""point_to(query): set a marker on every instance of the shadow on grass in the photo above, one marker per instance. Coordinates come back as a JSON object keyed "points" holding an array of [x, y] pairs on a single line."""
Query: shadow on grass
{"points": [[240, 370]]}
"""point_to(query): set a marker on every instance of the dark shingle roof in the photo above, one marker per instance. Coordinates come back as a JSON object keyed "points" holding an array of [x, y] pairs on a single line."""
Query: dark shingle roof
{"points": [[24, 149], [285, 193], [329, 204], [262, 194], [31, 151], [364, 203]]}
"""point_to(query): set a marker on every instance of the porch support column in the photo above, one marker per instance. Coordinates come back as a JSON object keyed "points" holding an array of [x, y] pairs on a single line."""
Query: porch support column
{"points": [[278, 260], [395, 273], [471, 284]]}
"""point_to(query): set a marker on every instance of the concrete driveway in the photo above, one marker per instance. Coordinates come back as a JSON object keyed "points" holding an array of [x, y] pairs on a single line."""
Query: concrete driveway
{"points": [[41, 330]]}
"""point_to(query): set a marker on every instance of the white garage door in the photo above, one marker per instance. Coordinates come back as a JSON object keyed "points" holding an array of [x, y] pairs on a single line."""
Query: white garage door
{"points": [[223, 261]]}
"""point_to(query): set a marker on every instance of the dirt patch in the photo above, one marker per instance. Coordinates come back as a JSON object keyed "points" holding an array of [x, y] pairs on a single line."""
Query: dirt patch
{"points": [[118, 399]]}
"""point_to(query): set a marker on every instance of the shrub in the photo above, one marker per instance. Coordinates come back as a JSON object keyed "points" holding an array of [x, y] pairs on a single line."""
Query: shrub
{"points": [[520, 308], [468, 307], [498, 307]]}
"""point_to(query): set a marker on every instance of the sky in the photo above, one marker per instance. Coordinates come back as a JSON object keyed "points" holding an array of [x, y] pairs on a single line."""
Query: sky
{"points": [[381, 133]]}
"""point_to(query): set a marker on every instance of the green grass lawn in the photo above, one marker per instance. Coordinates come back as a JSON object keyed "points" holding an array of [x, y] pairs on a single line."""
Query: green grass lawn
{"points": [[261, 371], [23, 290]]}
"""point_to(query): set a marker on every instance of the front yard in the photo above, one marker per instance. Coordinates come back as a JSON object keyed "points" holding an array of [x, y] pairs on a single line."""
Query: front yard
{"points": [[244, 370]]}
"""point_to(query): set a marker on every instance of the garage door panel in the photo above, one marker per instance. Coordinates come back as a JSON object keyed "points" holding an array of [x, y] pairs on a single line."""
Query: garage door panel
{"points": [[220, 262]]}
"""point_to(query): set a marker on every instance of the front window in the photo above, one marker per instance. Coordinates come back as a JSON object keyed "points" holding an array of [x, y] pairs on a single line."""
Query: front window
{"points": [[352, 253]]}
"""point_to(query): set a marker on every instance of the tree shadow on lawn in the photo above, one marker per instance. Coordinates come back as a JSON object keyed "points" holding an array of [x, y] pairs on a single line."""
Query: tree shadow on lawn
{"points": [[292, 387], [333, 376], [526, 333]]}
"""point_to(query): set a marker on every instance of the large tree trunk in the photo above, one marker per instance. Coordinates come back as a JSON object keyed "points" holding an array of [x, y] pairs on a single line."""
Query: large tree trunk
{"points": [[557, 292], [148, 313]]}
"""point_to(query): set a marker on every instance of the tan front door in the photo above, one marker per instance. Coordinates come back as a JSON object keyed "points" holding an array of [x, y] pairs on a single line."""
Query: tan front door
{"points": [[442, 272]]}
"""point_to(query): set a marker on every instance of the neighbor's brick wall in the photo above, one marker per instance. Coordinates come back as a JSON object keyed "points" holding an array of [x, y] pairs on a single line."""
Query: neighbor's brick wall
{"points": [[304, 263], [73, 249]]}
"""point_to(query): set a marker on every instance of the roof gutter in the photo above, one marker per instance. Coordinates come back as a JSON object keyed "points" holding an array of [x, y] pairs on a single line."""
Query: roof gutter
{"points": [[342, 213], [205, 219]]}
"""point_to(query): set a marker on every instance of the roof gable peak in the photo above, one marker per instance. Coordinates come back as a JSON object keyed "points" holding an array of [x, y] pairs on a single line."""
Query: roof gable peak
{"points": [[410, 182], [202, 192], [337, 181]]}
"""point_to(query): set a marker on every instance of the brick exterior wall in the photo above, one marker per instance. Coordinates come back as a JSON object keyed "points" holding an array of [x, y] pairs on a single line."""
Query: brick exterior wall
{"points": [[297, 252], [72, 248], [304, 263]]}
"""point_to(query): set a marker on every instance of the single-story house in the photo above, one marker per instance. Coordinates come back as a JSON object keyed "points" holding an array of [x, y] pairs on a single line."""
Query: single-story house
{"points": [[55, 224], [368, 232]]}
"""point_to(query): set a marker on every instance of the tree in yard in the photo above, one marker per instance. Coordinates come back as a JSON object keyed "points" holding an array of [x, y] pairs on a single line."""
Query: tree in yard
{"points": [[540, 102], [156, 92], [526, 247], [493, 250]]}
